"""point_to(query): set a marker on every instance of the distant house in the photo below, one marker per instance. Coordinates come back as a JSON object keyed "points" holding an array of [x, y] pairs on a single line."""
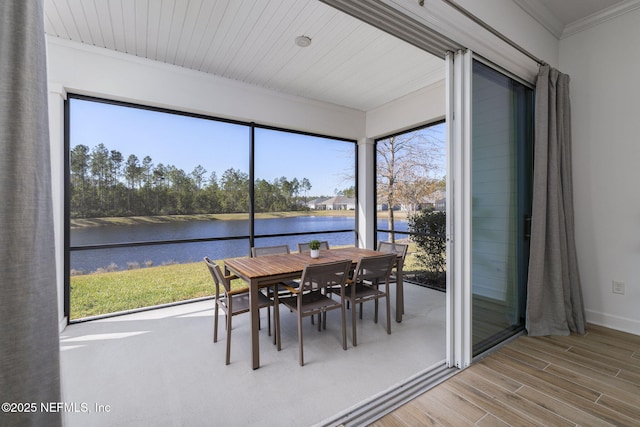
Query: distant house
{"points": [[436, 200], [316, 203], [337, 203]]}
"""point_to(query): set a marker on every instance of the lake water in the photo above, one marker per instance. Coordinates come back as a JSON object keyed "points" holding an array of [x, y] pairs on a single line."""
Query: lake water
{"points": [[123, 258]]}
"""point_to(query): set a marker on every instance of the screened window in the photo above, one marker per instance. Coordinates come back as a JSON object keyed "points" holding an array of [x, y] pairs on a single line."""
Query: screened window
{"points": [[411, 193], [151, 192]]}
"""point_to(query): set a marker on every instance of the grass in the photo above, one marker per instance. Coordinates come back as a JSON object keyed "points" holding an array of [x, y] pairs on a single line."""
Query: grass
{"points": [[102, 293], [109, 292]]}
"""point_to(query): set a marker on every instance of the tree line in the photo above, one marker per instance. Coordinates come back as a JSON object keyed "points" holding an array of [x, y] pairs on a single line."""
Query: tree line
{"points": [[103, 183]]}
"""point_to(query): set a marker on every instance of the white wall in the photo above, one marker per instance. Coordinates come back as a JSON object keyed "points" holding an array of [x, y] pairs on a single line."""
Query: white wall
{"points": [[423, 106], [604, 65]]}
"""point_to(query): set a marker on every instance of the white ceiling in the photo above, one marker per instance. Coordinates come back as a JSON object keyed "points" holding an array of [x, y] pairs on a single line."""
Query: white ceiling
{"points": [[348, 63]]}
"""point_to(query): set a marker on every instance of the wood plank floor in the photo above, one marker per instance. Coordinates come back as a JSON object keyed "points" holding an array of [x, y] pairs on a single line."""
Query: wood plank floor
{"points": [[590, 380]]}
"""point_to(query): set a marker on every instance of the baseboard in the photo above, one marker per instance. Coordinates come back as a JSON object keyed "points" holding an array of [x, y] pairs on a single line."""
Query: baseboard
{"points": [[614, 322]]}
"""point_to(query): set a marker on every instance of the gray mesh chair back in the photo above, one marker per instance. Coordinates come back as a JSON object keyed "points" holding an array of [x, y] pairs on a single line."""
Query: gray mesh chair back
{"points": [[370, 274], [269, 250], [393, 248], [304, 247], [309, 299], [231, 301]]}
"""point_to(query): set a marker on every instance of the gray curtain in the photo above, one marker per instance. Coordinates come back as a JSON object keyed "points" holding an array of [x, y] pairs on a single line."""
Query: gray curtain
{"points": [[554, 295], [29, 347]]}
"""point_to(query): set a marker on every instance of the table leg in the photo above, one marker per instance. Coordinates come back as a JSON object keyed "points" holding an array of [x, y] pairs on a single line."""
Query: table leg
{"points": [[399, 292], [255, 319]]}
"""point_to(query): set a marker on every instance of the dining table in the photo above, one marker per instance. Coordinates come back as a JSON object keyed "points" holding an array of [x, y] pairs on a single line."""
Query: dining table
{"points": [[260, 272]]}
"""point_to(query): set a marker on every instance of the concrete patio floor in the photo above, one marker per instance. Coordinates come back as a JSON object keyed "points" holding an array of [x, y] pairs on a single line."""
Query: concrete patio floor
{"points": [[161, 367]]}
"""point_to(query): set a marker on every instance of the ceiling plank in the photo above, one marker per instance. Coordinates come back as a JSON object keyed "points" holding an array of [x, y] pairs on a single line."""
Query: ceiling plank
{"points": [[349, 63], [54, 25], [103, 14], [141, 28]]}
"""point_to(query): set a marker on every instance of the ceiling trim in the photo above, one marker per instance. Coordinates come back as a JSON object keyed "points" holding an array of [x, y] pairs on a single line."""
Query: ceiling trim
{"points": [[600, 17], [543, 15], [545, 18]]}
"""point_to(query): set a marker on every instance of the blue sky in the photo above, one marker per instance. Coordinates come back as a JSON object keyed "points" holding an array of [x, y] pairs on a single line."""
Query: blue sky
{"points": [[186, 142]]}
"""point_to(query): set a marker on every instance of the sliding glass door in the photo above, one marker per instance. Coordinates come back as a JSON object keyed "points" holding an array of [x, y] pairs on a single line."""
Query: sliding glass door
{"points": [[501, 154]]}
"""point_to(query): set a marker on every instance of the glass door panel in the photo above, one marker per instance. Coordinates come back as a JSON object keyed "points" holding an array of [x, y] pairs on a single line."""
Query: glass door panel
{"points": [[501, 193]]}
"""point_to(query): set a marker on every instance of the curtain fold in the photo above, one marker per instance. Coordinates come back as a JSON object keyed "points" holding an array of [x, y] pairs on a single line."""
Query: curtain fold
{"points": [[554, 295], [29, 346]]}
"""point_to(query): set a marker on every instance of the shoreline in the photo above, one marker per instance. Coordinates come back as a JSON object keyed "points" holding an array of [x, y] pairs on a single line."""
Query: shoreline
{"points": [[76, 223], [166, 219]]}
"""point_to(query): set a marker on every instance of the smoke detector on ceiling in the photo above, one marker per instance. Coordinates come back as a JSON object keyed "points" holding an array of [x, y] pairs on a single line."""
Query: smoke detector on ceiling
{"points": [[303, 41]]}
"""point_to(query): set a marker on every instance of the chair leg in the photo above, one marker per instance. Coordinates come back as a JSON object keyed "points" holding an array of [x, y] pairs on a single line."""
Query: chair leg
{"points": [[268, 320], [375, 315], [344, 327], [215, 323], [300, 350], [228, 338], [354, 339], [275, 325], [388, 314], [360, 311], [276, 320]]}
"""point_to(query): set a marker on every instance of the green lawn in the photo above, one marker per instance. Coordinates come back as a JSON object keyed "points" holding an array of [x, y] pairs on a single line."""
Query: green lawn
{"points": [[102, 293]]}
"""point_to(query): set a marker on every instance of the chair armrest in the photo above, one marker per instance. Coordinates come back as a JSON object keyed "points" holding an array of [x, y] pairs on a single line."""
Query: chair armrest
{"points": [[291, 289], [238, 291]]}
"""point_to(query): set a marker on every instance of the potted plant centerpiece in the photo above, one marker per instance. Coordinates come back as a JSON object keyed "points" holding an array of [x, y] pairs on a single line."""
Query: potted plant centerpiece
{"points": [[314, 247]]}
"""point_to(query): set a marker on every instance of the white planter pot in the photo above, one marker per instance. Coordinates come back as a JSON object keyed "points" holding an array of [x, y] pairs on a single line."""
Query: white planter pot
{"points": [[315, 253]]}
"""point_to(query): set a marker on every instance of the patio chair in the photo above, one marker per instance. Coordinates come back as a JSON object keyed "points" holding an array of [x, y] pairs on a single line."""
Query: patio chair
{"points": [[304, 247], [398, 249], [309, 299], [370, 273], [281, 287], [232, 302]]}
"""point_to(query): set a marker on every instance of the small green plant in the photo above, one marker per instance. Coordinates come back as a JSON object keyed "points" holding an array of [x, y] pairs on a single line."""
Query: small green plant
{"points": [[314, 245]]}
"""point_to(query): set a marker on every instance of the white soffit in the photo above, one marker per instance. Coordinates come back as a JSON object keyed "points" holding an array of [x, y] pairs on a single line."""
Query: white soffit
{"points": [[348, 63]]}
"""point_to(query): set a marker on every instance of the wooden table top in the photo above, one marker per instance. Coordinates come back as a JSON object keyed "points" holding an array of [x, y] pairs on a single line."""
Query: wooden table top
{"points": [[294, 263]]}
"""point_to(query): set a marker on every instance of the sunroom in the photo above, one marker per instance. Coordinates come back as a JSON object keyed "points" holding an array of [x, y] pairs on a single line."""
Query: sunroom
{"points": [[311, 73]]}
